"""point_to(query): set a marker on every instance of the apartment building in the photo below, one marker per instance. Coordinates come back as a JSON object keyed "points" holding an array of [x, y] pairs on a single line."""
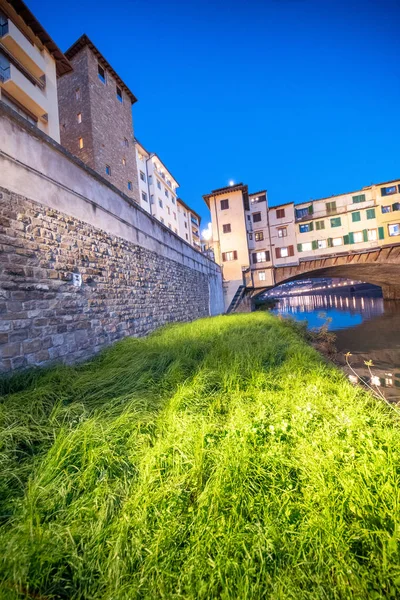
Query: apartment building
{"points": [[388, 211], [96, 117], [157, 187], [259, 240], [30, 63], [189, 224], [283, 235], [158, 196], [228, 207]]}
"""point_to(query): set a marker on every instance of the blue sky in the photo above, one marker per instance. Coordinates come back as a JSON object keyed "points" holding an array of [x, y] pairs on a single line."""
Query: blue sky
{"points": [[300, 97]]}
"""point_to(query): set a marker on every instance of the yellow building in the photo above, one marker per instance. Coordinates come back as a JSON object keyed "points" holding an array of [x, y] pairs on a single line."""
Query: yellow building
{"points": [[388, 211], [30, 63]]}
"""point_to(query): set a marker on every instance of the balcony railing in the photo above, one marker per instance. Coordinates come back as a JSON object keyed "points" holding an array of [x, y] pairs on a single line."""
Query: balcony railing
{"points": [[196, 233], [3, 28]]}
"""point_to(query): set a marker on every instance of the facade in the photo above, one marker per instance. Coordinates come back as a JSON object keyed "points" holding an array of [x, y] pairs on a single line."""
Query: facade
{"points": [[96, 117], [250, 239], [30, 63], [158, 196]]}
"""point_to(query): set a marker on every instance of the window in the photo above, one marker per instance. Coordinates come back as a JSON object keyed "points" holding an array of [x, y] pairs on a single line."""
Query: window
{"points": [[280, 213], [259, 257], [336, 222], [173, 199], [371, 213], [330, 207], [175, 216], [259, 236], [394, 229], [119, 94], [358, 237], [144, 196], [166, 192], [319, 225], [186, 236], [284, 252], [159, 184], [160, 202], [142, 176], [185, 224], [80, 142], [386, 209], [337, 241], [101, 73], [250, 236], [79, 117], [124, 161], [126, 143], [168, 210], [152, 199], [372, 235], [282, 232], [388, 191], [359, 198], [227, 256], [356, 216], [306, 227], [77, 94], [321, 244], [396, 206], [306, 247], [130, 186], [226, 228], [108, 170], [261, 275], [256, 217], [303, 212], [224, 204]]}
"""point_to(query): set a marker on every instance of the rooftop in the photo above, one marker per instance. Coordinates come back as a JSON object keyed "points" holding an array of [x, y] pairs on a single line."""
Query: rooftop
{"points": [[63, 65], [85, 41], [189, 209], [227, 189]]}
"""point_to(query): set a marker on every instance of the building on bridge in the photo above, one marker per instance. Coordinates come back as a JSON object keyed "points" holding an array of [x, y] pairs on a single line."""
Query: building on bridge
{"points": [[259, 246]]}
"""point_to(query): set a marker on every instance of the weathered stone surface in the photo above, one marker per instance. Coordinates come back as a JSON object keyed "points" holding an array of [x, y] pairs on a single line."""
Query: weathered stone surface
{"points": [[127, 290]]}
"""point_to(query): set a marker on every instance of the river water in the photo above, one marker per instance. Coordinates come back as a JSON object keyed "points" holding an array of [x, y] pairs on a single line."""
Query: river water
{"points": [[364, 324]]}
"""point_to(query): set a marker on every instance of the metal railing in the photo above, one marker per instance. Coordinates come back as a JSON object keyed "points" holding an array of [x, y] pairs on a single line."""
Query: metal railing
{"points": [[4, 73]]}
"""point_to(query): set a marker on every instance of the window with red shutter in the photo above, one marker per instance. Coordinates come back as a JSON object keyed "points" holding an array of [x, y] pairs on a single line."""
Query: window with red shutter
{"points": [[291, 251], [278, 252]]}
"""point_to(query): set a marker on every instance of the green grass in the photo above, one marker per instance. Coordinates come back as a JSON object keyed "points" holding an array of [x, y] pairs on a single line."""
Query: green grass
{"points": [[217, 459]]}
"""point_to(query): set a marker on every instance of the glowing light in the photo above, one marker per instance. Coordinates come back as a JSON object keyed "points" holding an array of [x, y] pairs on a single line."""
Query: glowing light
{"points": [[231, 182]]}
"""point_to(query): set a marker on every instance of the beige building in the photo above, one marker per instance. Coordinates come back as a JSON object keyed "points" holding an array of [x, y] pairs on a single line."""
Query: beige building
{"points": [[259, 240], [30, 63], [188, 224], [387, 197], [228, 207], [283, 235]]}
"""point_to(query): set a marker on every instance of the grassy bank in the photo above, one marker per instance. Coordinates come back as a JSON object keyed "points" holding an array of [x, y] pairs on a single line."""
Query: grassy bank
{"points": [[218, 459]]}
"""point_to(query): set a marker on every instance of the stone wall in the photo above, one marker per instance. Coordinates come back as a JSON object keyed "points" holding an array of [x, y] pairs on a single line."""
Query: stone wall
{"points": [[125, 290], [59, 218]]}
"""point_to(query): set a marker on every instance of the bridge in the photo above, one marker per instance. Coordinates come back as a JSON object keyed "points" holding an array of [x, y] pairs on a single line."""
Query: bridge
{"points": [[379, 266]]}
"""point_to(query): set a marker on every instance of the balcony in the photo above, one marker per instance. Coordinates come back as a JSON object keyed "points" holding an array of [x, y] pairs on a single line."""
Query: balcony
{"points": [[22, 49], [22, 90], [195, 233], [194, 221]]}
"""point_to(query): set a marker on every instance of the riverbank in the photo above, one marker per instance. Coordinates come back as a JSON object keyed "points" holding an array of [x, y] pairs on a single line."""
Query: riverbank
{"points": [[218, 459]]}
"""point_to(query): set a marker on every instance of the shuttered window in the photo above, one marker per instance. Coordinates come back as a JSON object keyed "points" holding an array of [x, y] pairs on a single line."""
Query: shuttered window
{"points": [[228, 256]]}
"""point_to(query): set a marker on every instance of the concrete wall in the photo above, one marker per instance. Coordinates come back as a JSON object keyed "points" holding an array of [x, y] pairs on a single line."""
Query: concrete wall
{"points": [[60, 218]]}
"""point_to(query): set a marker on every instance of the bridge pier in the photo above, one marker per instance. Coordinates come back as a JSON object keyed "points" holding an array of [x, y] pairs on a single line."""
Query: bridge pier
{"points": [[391, 292]]}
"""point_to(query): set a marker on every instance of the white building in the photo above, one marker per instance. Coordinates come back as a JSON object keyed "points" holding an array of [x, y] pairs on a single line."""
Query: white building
{"points": [[157, 194], [30, 63]]}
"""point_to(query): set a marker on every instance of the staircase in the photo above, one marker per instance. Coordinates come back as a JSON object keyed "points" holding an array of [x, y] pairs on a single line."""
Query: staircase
{"points": [[237, 298]]}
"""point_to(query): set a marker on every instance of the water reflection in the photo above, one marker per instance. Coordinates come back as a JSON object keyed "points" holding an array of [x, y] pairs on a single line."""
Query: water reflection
{"points": [[343, 311], [366, 326]]}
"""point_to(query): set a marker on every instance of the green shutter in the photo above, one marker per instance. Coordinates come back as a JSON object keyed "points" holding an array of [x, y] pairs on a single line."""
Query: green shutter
{"points": [[381, 232], [329, 242], [299, 247], [315, 245], [351, 238], [365, 235], [346, 239], [336, 222], [310, 209], [311, 228], [371, 213], [356, 216]]}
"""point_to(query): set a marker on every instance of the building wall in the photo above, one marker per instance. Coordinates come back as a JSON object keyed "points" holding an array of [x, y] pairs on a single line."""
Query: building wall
{"points": [[234, 241], [288, 241], [262, 272], [60, 219], [106, 127], [387, 221], [27, 49], [184, 227]]}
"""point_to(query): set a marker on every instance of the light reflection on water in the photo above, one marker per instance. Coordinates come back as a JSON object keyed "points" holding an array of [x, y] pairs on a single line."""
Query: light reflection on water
{"points": [[344, 311], [366, 326]]}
